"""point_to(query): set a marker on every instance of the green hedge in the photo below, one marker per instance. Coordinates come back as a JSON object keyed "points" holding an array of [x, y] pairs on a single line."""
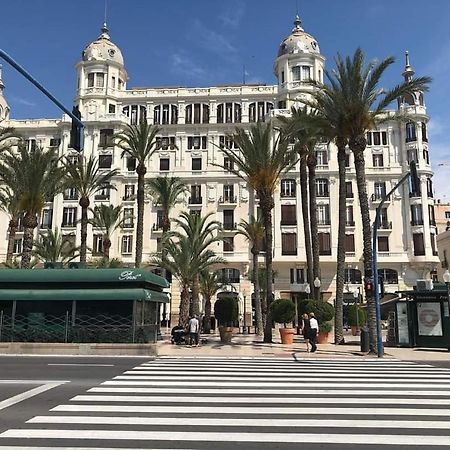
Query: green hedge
{"points": [[362, 313], [226, 311], [322, 310], [283, 310]]}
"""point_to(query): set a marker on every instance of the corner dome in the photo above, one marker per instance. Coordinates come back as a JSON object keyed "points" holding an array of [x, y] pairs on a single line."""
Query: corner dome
{"points": [[102, 49], [298, 41]]}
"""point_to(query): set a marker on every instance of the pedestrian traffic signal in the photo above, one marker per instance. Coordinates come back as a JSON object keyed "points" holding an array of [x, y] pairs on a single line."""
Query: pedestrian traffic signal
{"points": [[415, 180], [369, 287], [76, 133]]}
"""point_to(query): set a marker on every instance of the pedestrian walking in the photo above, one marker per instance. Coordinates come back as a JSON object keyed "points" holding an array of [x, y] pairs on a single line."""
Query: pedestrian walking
{"points": [[313, 331], [194, 330], [305, 330]]}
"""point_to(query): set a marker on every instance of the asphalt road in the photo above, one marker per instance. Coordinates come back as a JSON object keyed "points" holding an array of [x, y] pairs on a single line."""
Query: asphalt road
{"points": [[224, 403]]}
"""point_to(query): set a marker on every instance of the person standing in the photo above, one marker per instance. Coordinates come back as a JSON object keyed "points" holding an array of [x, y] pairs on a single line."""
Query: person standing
{"points": [[194, 329], [305, 330], [313, 331]]}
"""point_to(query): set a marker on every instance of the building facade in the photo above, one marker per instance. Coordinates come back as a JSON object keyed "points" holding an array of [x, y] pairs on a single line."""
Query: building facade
{"points": [[194, 124]]}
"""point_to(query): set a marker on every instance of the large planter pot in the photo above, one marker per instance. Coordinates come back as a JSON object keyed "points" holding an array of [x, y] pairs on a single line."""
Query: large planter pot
{"points": [[322, 338], [355, 331], [226, 334], [287, 335]]}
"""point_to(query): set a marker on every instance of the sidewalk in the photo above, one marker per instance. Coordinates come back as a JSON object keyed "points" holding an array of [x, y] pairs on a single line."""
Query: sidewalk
{"points": [[251, 346]]}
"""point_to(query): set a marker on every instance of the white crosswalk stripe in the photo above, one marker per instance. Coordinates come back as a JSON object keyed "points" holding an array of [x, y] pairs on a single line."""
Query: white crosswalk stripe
{"points": [[202, 403]]}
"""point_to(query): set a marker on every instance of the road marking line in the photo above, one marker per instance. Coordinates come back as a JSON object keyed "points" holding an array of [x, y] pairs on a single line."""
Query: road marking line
{"points": [[195, 436], [201, 421], [186, 399], [28, 394], [253, 410], [375, 392], [82, 365], [9, 447], [33, 381]]}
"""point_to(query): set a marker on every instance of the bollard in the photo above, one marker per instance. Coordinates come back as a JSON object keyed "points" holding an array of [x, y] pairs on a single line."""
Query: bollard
{"points": [[364, 337]]}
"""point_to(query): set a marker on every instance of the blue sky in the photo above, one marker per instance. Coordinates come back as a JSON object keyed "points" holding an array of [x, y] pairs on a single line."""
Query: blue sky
{"points": [[207, 42]]}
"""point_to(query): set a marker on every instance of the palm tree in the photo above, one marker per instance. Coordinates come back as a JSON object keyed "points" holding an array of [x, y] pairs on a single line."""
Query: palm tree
{"points": [[86, 177], [254, 232], [8, 137], [209, 286], [300, 127], [37, 173], [107, 218], [200, 232], [10, 204], [364, 108], [106, 263], [139, 142], [260, 160], [53, 246]]}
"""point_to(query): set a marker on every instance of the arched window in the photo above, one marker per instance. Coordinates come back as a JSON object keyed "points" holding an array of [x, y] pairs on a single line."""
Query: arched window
{"points": [[197, 113], [136, 113], [409, 99], [389, 276], [229, 113], [258, 111], [165, 114], [411, 132], [352, 276]]}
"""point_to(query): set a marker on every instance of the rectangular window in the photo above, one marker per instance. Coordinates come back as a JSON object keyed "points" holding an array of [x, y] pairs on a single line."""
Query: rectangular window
{"points": [[111, 108], [431, 216], [347, 160], [131, 163], [91, 80], [129, 192], [322, 157], [47, 216], [228, 163], [433, 244], [288, 188], [228, 219], [323, 214], [324, 244], [288, 243], [97, 248], [196, 196], [228, 193], [424, 132], [412, 155], [54, 142], [164, 164], [228, 244], [288, 215], [426, 156], [100, 80], [106, 137], [376, 138], [322, 187], [416, 215], [411, 132], [18, 246], [384, 223], [159, 219], [196, 163], [296, 73], [70, 194], [377, 160], [104, 161], [379, 190], [419, 245], [447, 214], [128, 218], [383, 243], [103, 193], [113, 82], [306, 73], [348, 189], [349, 243], [127, 244], [349, 220], [69, 217]]}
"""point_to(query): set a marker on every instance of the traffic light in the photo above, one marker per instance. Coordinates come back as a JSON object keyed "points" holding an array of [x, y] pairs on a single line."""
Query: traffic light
{"points": [[76, 133], [368, 287], [415, 180]]}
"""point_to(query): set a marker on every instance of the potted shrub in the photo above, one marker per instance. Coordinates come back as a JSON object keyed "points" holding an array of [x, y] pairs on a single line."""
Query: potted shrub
{"points": [[283, 311], [324, 312], [226, 312], [353, 322]]}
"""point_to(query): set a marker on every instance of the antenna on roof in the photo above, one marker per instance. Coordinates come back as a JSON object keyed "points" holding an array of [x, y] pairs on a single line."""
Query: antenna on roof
{"points": [[296, 7], [106, 10]]}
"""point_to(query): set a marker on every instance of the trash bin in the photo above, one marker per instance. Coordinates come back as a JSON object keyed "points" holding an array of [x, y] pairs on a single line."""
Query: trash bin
{"points": [[364, 338]]}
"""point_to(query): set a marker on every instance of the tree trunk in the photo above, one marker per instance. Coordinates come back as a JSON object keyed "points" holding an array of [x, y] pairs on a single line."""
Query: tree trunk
{"points": [[141, 171], [13, 226], [306, 222], [195, 309], [257, 294], [207, 317], [29, 223], [314, 227], [184, 307], [106, 246], [84, 203], [358, 145], [340, 267], [267, 204]]}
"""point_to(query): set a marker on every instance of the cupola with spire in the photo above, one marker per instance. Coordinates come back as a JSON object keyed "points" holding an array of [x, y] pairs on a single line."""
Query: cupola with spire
{"points": [[298, 61]]}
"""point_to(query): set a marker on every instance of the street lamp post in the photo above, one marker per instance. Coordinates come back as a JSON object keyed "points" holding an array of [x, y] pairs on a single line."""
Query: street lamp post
{"points": [[244, 331], [317, 283], [356, 297]]}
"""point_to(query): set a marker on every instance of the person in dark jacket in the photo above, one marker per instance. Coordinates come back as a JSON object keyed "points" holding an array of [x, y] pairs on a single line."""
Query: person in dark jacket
{"points": [[306, 330]]}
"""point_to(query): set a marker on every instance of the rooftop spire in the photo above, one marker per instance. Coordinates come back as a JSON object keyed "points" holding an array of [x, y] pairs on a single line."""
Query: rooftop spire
{"points": [[2, 86], [408, 72], [297, 24]]}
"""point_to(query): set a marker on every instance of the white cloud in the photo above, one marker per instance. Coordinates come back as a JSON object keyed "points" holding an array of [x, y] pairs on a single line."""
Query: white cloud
{"points": [[183, 64], [23, 101], [232, 17]]}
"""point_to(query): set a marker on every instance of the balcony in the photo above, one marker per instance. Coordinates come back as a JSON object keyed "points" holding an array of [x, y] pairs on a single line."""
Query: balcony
{"points": [[385, 225], [129, 198], [229, 226], [349, 223], [378, 196], [157, 227], [195, 200], [324, 222], [414, 195], [228, 199], [416, 222], [349, 195], [128, 225], [324, 194], [287, 195], [102, 197], [68, 224], [45, 226], [289, 252]]}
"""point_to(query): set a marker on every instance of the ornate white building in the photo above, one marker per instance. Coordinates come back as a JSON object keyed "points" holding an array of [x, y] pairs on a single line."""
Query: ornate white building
{"points": [[194, 122]]}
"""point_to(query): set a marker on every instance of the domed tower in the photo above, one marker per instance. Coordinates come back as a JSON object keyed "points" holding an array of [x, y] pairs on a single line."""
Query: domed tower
{"points": [[298, 61], [4, 107], [101, 77]]}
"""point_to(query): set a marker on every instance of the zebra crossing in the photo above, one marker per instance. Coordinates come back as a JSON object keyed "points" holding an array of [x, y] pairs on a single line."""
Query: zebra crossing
{"points": [[251, 403]]}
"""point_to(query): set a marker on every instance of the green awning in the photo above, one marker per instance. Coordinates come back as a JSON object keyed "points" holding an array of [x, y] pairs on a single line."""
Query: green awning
{"points": [[120, 277], [83, 294]]}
